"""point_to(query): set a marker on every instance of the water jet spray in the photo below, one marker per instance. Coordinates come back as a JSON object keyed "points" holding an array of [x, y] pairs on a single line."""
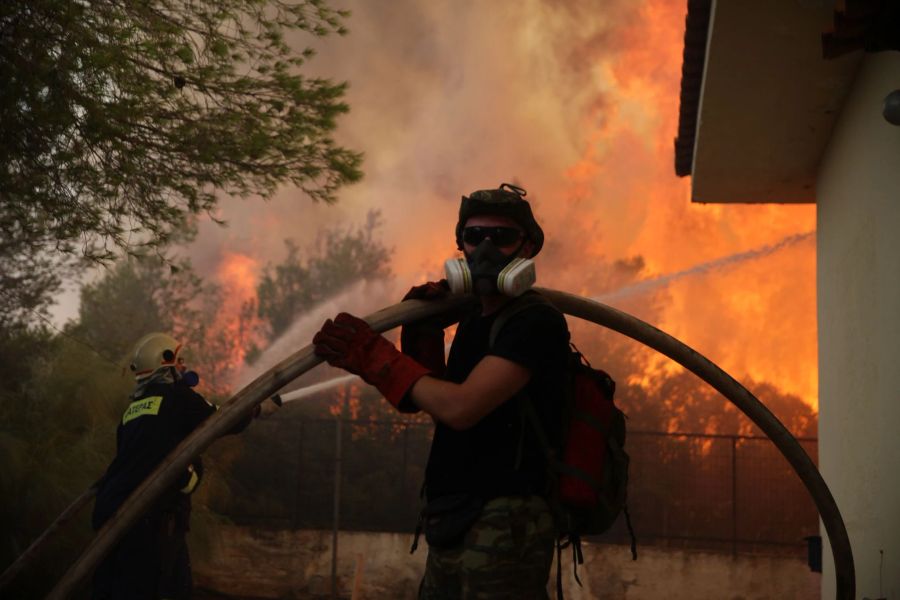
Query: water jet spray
{"points": [[644, 285]]}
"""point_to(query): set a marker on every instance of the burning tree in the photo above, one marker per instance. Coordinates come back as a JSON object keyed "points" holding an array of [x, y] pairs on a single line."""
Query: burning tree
{"points": [[339, 258]]}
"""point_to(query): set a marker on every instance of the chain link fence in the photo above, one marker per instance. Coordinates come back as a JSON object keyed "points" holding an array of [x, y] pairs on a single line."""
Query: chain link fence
{"points": [[717, 492]]}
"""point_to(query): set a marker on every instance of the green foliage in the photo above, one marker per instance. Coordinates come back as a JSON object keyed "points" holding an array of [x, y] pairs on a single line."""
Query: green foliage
{"points": [[134, 298], [28, 279], [123, 119], [339, 258], [140, 296], [64, 394], [58, 411]]}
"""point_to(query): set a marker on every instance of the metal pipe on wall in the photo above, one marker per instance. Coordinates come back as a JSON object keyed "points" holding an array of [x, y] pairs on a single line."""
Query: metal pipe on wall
{"points": [[336, 507]]}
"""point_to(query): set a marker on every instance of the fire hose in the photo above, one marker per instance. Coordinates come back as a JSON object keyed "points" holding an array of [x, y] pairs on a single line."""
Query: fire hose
{"points": [[410, 311]]}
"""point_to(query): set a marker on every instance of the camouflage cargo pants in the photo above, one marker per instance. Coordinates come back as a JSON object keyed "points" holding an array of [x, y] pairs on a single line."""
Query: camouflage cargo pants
{"points": [[506, 554]]}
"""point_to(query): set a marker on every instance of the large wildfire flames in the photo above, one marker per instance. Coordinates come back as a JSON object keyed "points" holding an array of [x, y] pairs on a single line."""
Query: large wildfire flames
{"points": [[578, 103], [234, 327]]}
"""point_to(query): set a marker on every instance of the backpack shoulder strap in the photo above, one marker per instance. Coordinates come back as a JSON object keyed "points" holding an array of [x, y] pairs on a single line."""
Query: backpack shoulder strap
{"points": [[529, 414], [512, 308]]}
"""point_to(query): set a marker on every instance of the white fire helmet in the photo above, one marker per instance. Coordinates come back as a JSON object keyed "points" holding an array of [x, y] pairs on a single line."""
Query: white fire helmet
{"points": [[152, 352]]}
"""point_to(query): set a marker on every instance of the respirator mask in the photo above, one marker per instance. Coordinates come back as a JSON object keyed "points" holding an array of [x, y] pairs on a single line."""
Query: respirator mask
{"points": [[487, 270]]}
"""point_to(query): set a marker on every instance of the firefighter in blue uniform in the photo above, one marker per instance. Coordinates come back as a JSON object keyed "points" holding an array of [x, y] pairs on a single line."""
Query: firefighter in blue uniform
{"points": [[151, 561]]}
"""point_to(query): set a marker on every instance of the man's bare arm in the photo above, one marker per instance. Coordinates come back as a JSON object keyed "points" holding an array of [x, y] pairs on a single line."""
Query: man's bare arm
{"points": [[492, 382]]}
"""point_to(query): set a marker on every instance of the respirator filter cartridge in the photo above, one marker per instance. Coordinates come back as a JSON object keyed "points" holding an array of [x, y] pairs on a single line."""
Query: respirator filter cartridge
{"points": [[515, 278]]}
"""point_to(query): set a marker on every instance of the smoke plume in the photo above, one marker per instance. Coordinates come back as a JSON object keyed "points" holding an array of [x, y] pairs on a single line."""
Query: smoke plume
{"points": [[577, 102]]}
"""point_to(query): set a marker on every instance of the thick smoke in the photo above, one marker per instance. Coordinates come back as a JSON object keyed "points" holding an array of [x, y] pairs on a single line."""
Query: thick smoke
{"points": [[577, 102]]}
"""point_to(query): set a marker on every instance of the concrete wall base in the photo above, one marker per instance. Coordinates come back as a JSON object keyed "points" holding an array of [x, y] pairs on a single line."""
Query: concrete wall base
{"points": [[254, 563]]}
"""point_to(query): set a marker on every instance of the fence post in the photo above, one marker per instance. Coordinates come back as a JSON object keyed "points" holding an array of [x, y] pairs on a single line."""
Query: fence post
{"points": [[295, 514], [404, 465], [734, 505], [337, 506]]}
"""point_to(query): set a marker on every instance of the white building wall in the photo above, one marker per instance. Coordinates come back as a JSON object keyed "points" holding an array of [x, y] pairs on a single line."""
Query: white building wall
{"points": [[858, 197]]}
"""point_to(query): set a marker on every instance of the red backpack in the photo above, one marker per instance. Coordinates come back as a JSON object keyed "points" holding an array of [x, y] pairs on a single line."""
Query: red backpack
{"points": [[589, 472]]}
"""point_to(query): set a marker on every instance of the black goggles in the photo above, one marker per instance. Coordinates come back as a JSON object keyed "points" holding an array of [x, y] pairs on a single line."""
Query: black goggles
{"points": [[501, 236]]}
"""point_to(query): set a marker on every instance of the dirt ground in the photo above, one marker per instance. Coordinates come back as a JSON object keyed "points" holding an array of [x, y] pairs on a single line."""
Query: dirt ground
{"points": [[204, 594]]}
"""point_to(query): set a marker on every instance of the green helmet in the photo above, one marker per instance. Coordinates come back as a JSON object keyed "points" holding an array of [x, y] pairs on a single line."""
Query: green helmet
{"points": [[506, 201], [152, 352]]}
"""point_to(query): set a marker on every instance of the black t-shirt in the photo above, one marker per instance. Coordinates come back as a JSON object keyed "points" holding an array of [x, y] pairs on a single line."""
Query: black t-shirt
{"points": [[482, 460], [150, 428]]}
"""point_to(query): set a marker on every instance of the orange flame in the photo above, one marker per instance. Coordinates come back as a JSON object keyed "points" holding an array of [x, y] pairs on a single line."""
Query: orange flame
{"points": [[234, 327], [593, 145], [239, 275], [756, 319]]}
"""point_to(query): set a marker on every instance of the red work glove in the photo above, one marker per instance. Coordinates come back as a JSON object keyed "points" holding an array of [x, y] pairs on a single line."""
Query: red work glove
{"points": [[424, 341], [350, 343]]}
